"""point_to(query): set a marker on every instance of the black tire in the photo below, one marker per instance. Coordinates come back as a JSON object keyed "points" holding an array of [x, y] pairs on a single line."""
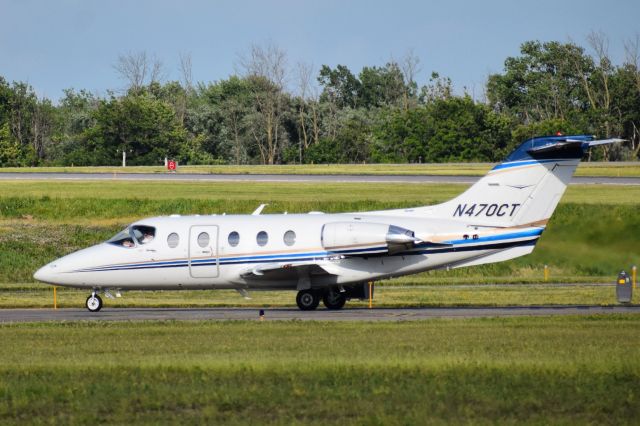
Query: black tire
{"points": [[94, 305], [334, 299], [308, 300]]}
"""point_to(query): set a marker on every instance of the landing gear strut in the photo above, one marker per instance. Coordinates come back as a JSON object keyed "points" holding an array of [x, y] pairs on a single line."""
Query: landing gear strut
{"points": [[308, 300], [94, 302]]}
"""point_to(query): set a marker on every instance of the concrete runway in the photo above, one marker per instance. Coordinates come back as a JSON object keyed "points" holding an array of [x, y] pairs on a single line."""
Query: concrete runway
{"points": [[288, 178], [288, 314]]}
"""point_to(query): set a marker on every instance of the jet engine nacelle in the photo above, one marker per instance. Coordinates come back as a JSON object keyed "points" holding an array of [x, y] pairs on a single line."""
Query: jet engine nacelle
{"points": [[340, 236]]}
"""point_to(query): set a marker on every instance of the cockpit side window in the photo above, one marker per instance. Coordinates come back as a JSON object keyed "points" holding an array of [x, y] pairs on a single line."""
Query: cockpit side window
{"points": [[122, 239], [143, 234]]}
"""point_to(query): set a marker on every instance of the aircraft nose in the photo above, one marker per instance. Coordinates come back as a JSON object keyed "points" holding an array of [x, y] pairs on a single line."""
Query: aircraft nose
{"points": [[46, 273]]}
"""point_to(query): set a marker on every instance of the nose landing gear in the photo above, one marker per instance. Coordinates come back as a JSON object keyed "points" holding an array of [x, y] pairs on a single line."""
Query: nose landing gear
{"points": [[94, 302]]}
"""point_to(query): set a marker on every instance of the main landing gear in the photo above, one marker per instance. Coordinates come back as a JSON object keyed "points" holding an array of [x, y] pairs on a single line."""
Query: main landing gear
{"points": [[94, 302], [308, 300], [333, 299]]}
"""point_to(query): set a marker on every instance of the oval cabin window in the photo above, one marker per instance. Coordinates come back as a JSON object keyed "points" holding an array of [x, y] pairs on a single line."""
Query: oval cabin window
{"points": [[173, 240], [234, 239], [203, 239], [262, 238], [289, 238]]}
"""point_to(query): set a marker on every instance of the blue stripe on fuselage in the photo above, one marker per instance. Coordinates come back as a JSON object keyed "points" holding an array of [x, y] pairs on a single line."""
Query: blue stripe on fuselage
{"points": [[523, 234], [459, 245]]}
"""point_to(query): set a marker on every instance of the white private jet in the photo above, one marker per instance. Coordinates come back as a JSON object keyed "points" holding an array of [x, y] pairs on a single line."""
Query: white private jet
{"points": [[332, 256]]}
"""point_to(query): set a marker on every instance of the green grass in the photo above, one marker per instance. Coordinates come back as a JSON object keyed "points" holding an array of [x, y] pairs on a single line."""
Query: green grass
{"points": [[628, 169], [539, 370], [561, 370], [90, 201], [291, 192], [387, 295]]}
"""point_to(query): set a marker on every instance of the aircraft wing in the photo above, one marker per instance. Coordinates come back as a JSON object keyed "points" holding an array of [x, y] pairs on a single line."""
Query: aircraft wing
{"points": [[319, 267]]}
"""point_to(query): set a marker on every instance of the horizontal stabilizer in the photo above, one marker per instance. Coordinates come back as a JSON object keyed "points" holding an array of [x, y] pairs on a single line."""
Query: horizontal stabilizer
{"points": [[606, 141], [555, 147], [566, 148]]}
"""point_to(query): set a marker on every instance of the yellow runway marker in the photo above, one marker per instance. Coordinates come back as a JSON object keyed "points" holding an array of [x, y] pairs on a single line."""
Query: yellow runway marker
{"points": [[546, 273]]}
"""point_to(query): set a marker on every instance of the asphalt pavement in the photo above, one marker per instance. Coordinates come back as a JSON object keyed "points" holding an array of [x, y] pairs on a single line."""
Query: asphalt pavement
{"points": [[290, 314]]}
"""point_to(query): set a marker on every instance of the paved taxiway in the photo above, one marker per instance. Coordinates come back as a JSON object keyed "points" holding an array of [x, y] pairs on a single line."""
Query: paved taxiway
{"points": [[287, 314], [288, 178]]}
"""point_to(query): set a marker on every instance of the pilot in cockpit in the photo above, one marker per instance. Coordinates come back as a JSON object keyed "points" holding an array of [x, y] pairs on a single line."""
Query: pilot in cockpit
{"points": [[134, 235]]}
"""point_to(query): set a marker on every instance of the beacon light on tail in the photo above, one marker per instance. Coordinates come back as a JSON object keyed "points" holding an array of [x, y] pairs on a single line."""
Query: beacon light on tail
{"points": [[331, 257]]}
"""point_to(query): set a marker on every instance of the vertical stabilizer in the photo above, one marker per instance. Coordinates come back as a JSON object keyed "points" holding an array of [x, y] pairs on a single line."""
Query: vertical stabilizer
{"points": [[523, 190]]}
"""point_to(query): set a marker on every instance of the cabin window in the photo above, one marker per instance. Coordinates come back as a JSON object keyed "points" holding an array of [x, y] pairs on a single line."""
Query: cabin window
{"points": [[262, 238], [122, 239], [234, 239], [203, 239], [289, 238], [173, 240], [143, 234]]}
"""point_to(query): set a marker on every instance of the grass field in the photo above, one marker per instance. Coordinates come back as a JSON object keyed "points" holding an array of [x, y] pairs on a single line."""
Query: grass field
{"points": [[387, 294], [72, 201], [537, 370], [560, 370], [626, 169]]}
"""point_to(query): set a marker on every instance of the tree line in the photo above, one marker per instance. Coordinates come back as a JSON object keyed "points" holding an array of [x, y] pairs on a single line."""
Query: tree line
{"points": [[274, 113]]}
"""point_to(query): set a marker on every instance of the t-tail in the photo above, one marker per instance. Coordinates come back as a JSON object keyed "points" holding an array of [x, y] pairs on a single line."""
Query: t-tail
{"points": [[525, 189]]}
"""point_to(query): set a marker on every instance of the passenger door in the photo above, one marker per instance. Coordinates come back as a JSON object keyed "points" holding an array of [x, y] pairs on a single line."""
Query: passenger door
{"points": [[203, 251]]}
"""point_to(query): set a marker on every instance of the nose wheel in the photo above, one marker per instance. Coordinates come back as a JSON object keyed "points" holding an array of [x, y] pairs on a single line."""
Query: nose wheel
{"points": [[94, 302]]}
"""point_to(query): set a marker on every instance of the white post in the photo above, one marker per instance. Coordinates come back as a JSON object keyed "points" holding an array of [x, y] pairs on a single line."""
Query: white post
{"points": [[166, 161], [124, 158]]}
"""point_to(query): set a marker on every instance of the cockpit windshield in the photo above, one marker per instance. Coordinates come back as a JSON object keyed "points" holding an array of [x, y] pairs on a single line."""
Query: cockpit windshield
{"points": [[133, 235], [143, 234], [122, 238]]}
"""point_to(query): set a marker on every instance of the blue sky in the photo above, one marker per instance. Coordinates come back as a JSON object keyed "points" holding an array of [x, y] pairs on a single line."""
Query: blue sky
{"points": [[74, 43]]}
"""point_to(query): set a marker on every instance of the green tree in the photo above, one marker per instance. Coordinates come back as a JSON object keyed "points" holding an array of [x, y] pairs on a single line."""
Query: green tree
{"points": [[545, 82], [453, 129], [340, 86], [145, 127], [351, 144], [29, 121], [74, 115], [402, 136], [229, 103], [382, 86], [11, 154], [625, 105]]}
